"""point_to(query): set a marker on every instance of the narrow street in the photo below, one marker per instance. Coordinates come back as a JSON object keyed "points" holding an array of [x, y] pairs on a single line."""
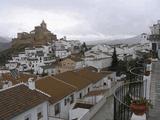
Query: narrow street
{"points": [[106, 112], [154, 113]]}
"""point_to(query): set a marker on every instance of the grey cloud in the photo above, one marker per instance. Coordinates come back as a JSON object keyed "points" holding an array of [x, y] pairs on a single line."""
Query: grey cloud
{"points": [[103, 18]]}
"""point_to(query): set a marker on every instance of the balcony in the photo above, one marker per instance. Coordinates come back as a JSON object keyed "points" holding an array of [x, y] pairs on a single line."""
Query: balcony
{"points": [[86, 109], [137, 87], [91, 104], [49, 60]]}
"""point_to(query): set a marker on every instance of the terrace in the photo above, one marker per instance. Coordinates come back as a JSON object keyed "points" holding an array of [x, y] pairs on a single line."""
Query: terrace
{"points": [[137, 87]]}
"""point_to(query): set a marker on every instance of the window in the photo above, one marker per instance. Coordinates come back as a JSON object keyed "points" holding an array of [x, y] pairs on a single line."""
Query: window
{"points": [[72, 99], [158, 45], [57, 108], [80, 95], [88, 89], [154, 46], [39, 112], [65, 101], [39, 115], [104, 84]]}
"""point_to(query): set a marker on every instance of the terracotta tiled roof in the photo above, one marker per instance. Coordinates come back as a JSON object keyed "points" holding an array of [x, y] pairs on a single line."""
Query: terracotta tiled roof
{"points": [[72, 78], [64, 84], [91, 68], [21, 78], [106, 70], [96, 92], [55, 88], [81, 78], [82, 105], [91, 74], [18, 99], [76, 58]]}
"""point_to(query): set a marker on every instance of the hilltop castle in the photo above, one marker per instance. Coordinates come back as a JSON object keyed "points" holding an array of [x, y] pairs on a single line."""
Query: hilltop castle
{"points": [[39, 36]]}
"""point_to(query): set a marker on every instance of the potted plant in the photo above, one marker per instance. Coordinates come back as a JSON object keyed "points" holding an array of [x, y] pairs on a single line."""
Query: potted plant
{"points": [[128, 99], [140, 106]]}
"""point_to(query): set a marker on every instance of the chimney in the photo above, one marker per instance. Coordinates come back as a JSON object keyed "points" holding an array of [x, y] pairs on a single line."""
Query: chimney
{"points": [[31, 83], [99, 70]]}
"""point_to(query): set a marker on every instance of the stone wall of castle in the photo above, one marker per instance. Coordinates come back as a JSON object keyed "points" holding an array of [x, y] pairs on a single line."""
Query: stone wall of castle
{"points": [[39, 36]]}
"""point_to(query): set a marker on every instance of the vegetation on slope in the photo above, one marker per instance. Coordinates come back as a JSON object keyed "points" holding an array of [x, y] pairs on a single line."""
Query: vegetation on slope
{"points": [[7, 54]]}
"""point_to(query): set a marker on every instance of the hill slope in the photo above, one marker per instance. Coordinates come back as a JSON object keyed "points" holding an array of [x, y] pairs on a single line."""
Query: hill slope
{"points": [[132, 40], [4, 46], [4, 43], [7, 53]]}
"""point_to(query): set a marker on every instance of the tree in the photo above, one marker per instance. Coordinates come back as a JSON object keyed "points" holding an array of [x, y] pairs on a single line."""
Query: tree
{"points": [[84, 47], [114, 64], [122, 67]]}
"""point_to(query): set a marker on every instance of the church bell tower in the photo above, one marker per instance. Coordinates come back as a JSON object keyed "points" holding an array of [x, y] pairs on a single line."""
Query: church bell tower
{"points": [[43, 25]]}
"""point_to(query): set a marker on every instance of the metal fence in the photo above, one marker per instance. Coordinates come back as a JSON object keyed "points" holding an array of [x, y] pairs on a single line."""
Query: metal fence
{"points": [[134, 88]]}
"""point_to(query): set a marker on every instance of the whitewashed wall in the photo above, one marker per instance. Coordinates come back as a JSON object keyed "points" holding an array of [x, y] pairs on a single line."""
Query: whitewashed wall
{"points": [[64, 109], [77, 113], [33, 112], [99, 63]]}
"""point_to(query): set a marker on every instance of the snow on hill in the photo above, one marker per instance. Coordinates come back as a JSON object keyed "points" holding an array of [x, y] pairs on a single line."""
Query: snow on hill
{"points": [[130, 41]]}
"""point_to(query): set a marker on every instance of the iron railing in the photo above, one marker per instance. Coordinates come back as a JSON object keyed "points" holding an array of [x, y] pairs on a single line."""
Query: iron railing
{"points": [[133, 89]]}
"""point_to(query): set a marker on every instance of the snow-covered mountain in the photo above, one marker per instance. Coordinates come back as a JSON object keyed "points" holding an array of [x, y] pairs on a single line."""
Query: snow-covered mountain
{"points": [[132, 40]]}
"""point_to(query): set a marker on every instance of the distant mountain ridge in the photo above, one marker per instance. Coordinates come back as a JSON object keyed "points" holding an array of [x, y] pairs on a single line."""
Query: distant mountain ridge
{"points": [[130, 41], [4, 39], [4, 43]]}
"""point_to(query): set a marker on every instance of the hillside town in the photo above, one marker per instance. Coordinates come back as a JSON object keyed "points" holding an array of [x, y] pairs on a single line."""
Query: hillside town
{"points": [[61, 79]]}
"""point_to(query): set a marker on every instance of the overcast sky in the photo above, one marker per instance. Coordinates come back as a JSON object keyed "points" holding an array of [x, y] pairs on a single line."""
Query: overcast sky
{"points": [[80, 19]]}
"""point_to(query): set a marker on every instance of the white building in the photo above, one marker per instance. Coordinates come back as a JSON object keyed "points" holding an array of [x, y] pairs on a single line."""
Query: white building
{"points": [[35, 57], [64, 48], [66, 89], [154, 39], [47, 69], [62, 53], [32, 58], [98, 59], [75, 46], [22, 103]]}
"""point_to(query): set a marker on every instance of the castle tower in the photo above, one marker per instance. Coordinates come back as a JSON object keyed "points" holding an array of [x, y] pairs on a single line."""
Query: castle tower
{"points": [[43, 25]]}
